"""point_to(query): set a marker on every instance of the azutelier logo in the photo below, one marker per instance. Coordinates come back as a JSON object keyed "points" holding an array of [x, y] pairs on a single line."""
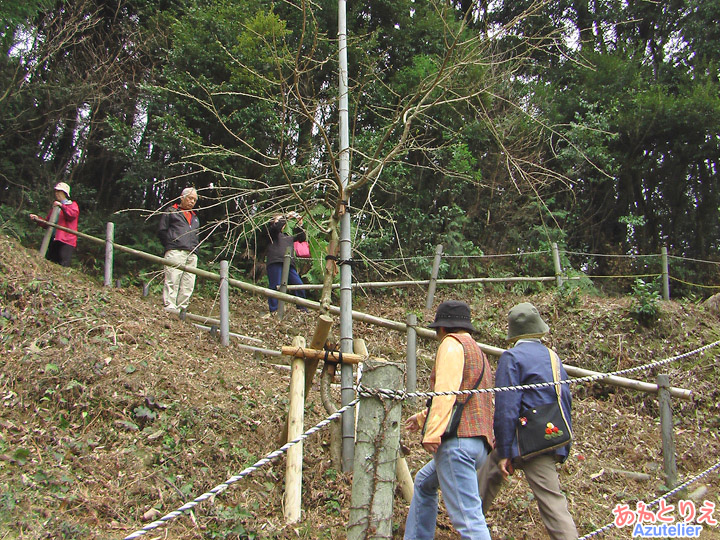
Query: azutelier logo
{"points": [[661, 523]]}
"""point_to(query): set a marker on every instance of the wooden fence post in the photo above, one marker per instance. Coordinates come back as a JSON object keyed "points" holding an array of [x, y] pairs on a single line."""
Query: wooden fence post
{"points": [[296, 415], [284, 281], [224, 304], [665, 274], [556, 263], [109, 238], [666, 429], [376, 451], [411, 355], [434, 277], [54, 214]]}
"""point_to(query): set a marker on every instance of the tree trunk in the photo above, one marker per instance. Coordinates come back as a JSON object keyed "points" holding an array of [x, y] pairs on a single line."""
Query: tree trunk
{"points": [[376, 450]]}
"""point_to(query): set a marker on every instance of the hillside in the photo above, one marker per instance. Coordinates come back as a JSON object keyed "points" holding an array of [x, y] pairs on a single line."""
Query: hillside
{"points": [[112, 408]]}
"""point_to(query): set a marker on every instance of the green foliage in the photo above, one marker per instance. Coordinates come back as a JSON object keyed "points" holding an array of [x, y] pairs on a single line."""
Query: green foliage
{"points": [[607, 144], [229, 523], [645, 303]]}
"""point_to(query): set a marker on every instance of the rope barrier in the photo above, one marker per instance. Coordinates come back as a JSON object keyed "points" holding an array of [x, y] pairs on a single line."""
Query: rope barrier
{"points": [[691, 259], [543, 252], [620, 276], [694, 284], [252, 468], [609, 255], [612, 525], [445, 256], [401, 395], [398, 395], [363, 391]]}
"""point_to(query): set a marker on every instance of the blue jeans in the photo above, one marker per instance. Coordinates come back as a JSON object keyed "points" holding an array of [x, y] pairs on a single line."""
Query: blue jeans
{"points": [[454, 471], [274, 272]]}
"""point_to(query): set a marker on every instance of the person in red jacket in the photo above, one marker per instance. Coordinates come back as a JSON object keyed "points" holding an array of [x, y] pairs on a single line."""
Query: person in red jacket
{"points": [[63, 243]]}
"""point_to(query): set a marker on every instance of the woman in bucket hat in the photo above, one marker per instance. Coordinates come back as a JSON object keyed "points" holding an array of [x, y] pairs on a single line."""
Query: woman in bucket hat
{"points": [[459, 365], [63, 243], [527, 362]]}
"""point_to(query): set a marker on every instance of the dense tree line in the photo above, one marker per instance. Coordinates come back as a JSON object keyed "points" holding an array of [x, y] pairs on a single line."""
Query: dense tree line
{"points": [[489, 127]]}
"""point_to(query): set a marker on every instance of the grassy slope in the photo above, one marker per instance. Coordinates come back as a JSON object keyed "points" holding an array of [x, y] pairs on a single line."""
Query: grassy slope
{"points": [[110, 409]]}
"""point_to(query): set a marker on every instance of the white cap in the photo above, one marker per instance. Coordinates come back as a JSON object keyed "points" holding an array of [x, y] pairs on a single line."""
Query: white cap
{"points": [[62, 186]]}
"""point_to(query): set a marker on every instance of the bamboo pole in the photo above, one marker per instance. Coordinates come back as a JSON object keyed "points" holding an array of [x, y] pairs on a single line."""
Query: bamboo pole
{"points": [[284, 282], [370, 319], [54, 214], [453, 281], [434, 277], [319, 337], [313, 354], [293, 471], [224, 304], [556, 263], [665, 274], [624, 382], [269, 352], [109, 237], [666, 431], [322, 330], [411, 354]]}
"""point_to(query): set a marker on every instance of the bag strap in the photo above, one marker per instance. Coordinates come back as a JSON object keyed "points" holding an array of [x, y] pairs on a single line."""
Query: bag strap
{"points": [[555, 361], [428, 403], [477, 383]]}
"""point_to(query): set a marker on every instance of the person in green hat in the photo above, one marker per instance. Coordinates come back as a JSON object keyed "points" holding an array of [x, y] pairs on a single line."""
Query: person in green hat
{"points": [[527, 362]]}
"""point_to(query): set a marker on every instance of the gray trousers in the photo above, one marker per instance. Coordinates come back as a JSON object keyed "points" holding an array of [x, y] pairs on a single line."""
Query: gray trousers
{"points": [[543, 479]]}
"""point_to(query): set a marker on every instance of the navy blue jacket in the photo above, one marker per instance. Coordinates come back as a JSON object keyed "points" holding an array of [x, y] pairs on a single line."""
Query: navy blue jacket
{"points": [[527, 362]]}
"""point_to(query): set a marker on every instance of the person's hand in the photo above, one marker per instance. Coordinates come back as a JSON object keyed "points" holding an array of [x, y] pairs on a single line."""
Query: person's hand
{"points": [[506, 467], [57, 203], [412, 424], [33, 217], [431, 447]]}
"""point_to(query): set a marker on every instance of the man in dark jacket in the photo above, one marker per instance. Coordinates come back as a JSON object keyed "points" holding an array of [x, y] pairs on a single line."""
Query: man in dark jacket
{"points": [[178, 232], [528, 362]]}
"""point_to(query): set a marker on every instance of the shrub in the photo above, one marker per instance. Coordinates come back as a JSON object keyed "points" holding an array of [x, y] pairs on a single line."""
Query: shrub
{"points": [[645, 303]]}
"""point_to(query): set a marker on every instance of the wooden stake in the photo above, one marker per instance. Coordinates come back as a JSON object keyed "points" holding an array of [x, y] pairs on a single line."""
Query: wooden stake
{"points": [[404, 479], [293, 473], [322, 330]]}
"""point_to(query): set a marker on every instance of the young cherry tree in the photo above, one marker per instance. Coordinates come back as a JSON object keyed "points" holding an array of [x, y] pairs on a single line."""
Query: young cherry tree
{"points": [[429, 93]]}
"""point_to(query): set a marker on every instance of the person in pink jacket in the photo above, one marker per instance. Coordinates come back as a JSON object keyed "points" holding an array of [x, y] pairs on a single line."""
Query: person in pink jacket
{"points": [[63, 243]]}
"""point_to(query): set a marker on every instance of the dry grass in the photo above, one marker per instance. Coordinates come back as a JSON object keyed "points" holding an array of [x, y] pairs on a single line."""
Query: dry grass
{"points": [[111, 409]]}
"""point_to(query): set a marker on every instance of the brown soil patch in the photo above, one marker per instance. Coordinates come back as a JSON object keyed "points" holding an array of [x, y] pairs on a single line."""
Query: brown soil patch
{"points": [[111, 408]]}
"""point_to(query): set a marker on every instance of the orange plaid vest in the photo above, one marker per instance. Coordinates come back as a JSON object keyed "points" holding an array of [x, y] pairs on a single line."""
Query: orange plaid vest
{"points": [[477, 418]]}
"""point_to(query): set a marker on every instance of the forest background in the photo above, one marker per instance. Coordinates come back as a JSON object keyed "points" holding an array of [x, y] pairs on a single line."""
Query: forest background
{"points": [[486, 126]]}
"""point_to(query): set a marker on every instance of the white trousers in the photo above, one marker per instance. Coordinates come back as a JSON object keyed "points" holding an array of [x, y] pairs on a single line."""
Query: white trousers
{"points": [[179, 284]]}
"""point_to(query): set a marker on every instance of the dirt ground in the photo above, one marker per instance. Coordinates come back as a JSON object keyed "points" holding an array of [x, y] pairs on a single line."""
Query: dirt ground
{"points": [[114, 413]]}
